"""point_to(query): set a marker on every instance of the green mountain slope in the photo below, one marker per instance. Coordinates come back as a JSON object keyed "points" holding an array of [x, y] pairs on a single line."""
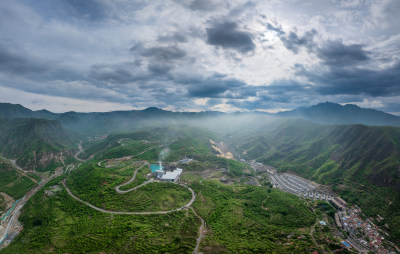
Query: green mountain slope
{"points": [[362, 163], [36, 143], [14, 182]]}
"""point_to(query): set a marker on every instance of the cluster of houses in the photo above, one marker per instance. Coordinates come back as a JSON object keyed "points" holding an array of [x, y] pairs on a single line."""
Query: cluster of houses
{"points": [[364, 235]]}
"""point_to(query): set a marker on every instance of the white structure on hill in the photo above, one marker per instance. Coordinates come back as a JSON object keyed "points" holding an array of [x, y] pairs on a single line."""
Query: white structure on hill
{"points": [[172, 176]]}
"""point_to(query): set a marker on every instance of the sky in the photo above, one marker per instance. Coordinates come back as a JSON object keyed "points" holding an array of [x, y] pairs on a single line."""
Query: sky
{"points": [[196, 55]]}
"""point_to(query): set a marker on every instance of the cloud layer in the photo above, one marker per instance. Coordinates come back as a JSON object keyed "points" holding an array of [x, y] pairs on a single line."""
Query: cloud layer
{"points": [[200, 55]]}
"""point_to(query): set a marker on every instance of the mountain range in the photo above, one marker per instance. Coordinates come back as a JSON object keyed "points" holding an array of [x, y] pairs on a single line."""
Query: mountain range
{"points": [[332, 113], [100, 123], [354, 150], [40, 138]]}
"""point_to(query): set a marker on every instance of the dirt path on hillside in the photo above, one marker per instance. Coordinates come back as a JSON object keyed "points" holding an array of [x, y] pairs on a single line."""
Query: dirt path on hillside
{"points": [[202, 231], [20, 170]]}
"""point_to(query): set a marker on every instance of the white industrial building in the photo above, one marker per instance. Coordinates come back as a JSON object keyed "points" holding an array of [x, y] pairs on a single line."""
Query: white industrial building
{"points": [[172, 176]]}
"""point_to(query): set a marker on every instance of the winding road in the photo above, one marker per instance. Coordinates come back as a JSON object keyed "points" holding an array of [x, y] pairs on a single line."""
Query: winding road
{"points": [[201, 232], [123, 192], [119, 191], [131, 180], [79, 152]]}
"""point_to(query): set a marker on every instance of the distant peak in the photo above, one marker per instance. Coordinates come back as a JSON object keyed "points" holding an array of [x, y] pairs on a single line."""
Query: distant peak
{"points": [[328, 103], [351, 106], [153, 109]]}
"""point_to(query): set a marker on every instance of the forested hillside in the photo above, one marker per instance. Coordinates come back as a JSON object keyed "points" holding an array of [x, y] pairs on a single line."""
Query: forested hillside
{"points": [[14, 182], [36, 143], [362, 163]]}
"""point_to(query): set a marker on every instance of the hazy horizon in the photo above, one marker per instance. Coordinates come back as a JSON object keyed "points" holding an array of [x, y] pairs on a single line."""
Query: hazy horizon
{"points": [[197, 111]]}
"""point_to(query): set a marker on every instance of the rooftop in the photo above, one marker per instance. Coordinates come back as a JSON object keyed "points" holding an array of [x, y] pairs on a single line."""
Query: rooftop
{"points": [[172, 175]]}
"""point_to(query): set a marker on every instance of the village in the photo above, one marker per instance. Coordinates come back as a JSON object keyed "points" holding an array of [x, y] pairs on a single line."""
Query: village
{"points": [[363, 236]]}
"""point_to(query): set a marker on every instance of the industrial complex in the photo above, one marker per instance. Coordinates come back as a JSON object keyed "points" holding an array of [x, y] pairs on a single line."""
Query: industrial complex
{"points": [[166, 174]]}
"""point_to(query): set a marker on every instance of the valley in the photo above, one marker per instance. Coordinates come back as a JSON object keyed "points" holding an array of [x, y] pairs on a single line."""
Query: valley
{"points": [[199, 127], [273, 187]]}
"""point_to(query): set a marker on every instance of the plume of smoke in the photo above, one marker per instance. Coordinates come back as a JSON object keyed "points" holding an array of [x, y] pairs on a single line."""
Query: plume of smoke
{"points": [[163, 154]]}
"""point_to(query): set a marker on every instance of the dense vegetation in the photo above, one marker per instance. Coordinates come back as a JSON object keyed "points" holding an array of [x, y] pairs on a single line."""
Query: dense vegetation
{"points": [[13, 182], [36, 143], [141, 177], [251, 219], [360, 162], [59, 224], [236, 216], [97, 186]]}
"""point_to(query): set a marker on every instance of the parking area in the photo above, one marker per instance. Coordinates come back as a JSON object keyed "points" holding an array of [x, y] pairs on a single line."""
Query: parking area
{"points": [[298, 186]]}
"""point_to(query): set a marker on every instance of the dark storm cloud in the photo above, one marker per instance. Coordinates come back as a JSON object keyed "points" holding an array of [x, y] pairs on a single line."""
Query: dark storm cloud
{"points": [[227, 35], [118, 73], [275, 28], [293, 41], [335, 53], [385, 82], [160, 59], [216, 86], [159, 68], [344, 69], [332, 53], [20, 63], [347, 72], [78, 49], [213, 87]]}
